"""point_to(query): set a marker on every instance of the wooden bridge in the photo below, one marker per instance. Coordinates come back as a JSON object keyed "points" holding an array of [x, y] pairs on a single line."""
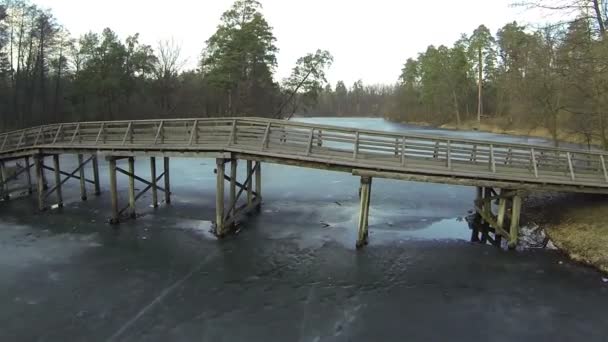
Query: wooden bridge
{"points": [[501, 172]]}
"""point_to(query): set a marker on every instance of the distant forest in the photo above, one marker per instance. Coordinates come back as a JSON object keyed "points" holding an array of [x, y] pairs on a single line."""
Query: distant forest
{"points": [[555, 77]]}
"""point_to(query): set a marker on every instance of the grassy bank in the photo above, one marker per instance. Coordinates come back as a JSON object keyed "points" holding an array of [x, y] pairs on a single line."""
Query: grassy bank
{"points": [[575, 223], [500, 127]]}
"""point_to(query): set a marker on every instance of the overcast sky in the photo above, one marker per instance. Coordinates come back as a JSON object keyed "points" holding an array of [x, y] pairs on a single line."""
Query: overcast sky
{"points": [[370, 39]]}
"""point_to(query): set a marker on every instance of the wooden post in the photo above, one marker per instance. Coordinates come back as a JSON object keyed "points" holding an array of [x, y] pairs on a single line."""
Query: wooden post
{"points": [[4, 181], [515, 215], [167, 181], [40, 181], [58, 191], [362, 240], [113, 192], [219, 198], [28, 175], [45, 184], [96, 175], [502, 210], [132, 187], [154, 184], [233, 169], [479, 201], [83, 188], [258, 182], [249, 186]]}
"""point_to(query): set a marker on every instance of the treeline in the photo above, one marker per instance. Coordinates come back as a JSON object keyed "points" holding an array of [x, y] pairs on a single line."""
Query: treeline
{"points": [[46, 75], [555, 77]]}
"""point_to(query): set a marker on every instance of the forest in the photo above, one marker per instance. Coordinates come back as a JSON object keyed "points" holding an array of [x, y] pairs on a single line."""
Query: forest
{"points": [[554, 76]]}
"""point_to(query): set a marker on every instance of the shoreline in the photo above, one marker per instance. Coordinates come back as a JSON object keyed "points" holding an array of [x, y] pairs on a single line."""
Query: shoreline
{"points": [[572, 222]]}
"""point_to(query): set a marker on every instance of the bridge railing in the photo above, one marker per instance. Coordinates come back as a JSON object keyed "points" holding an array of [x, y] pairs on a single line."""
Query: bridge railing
{"points": [[346, 146]]}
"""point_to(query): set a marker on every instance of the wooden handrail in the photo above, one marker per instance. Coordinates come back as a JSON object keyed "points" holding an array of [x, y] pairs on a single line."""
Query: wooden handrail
{"points": [[368, 147]]}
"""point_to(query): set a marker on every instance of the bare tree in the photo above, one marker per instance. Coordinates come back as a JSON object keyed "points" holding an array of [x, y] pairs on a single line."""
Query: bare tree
{"points": [[169, 63]]}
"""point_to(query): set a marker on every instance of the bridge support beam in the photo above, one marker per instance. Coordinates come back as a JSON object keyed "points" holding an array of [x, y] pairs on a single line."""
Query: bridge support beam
{"points": [[249, 189], [58, 181], [43, 193], [227, 217], [363, 235], [83, 187], [96, 175], [28, 175], [515, 216], [4, 179], [115, 219], [258, 183], [40, 181], [130, 209], [233, 175], [131, 175], [154, 183], [486, 222], [220, 229], [167, 181]]}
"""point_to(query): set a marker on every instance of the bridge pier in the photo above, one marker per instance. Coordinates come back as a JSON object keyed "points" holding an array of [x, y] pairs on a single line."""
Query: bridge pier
{"points": [[227, 218], [365, 197], [58, 181], [117, 213], [4, 181], [83, 188], [28, 175], [96, 175], [488, 222]]}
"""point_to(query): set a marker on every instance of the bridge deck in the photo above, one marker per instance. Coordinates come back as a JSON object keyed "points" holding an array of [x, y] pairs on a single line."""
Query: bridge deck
{"points": [[395, 155]]}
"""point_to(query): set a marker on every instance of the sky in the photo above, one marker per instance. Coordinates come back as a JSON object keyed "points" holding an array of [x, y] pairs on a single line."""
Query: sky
{"points": [[369, 39]]}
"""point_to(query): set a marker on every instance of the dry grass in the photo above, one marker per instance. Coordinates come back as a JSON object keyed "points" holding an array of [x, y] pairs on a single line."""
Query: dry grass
{"points": [[583, 234], [500, 127]]}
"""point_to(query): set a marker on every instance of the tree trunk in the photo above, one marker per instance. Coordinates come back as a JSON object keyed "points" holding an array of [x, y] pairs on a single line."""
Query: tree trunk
{"points": [[479, 95], [456, 109], [599, 16]]}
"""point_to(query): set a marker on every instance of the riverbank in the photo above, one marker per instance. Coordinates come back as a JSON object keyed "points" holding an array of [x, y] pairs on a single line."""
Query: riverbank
{"points": [[499, 127], [575, 223]]}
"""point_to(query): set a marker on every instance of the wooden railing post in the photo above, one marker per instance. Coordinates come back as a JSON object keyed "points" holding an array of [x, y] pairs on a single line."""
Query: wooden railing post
{"points": [[570, 166], [534, 164], [449, 155]]}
